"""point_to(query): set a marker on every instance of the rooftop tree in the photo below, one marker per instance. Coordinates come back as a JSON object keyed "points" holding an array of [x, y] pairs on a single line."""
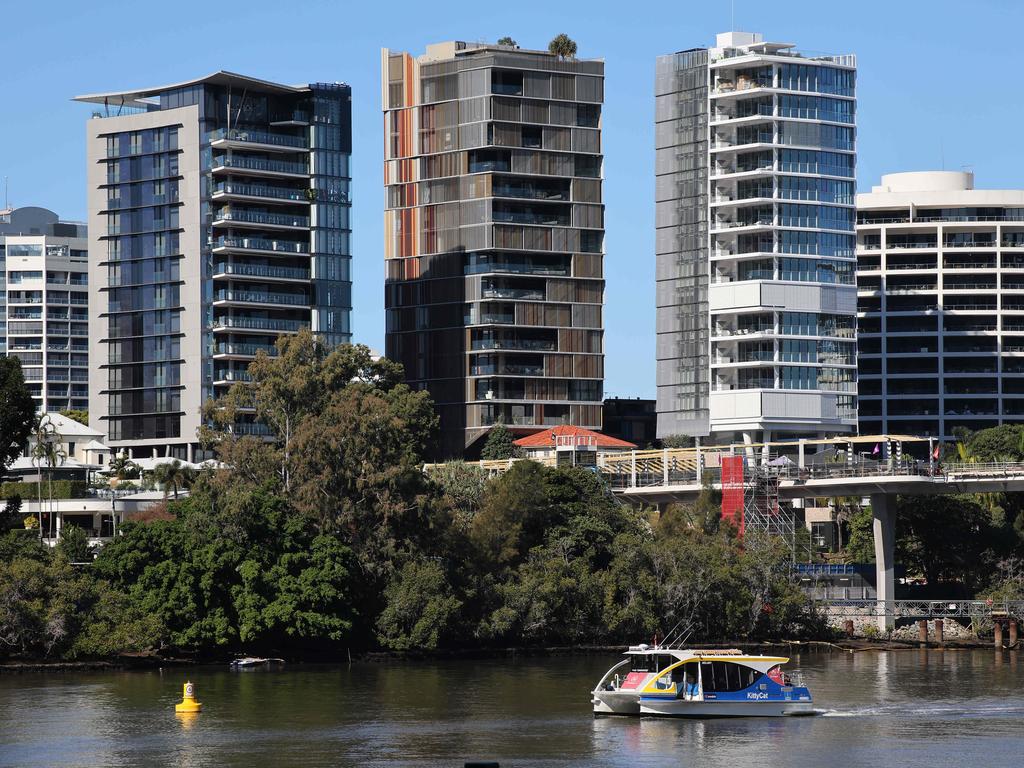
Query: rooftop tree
{"points": [[563, 46]]}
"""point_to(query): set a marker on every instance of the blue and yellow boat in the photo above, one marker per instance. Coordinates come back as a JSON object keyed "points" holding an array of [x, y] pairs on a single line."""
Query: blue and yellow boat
{"points": [[677, 682]]}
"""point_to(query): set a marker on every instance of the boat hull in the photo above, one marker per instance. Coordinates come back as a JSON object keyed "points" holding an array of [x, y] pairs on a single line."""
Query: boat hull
{"points": [[679, 708], [616, 703]]}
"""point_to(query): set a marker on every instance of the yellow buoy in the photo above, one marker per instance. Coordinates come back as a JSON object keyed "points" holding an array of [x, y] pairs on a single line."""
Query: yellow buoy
{"points": [[188, 700]]}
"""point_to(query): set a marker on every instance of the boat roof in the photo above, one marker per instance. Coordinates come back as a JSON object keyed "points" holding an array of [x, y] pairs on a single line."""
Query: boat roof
{"points": [[701, 653]]}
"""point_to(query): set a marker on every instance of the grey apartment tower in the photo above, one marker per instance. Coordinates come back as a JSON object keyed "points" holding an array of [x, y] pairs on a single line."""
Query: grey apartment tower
{"points": [[219, 220], [756, 302], [494, 235], [44, 305]]}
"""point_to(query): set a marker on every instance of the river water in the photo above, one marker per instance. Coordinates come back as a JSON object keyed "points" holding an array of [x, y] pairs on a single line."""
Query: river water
{"points": [[906, 708]]}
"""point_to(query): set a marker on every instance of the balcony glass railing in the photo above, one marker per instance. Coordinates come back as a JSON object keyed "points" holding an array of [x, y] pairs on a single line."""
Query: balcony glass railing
{"points": [[491, 317], [513, 293], [260, 137], [262, 297], [259, 323], [261, 244], [244, 349], [537, 345], [257, 217], [261, 270], [530, 193], [261, 164], [508, 370], [231, 375], [258, 190], [548, 219], [257, 430]]}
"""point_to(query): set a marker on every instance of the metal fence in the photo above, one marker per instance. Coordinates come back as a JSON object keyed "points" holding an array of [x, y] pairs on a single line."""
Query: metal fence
{"points": [[925, 609]]}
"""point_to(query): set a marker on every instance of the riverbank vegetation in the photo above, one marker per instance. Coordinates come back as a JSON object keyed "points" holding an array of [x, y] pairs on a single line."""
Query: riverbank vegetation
{"points": [[331, 537]]}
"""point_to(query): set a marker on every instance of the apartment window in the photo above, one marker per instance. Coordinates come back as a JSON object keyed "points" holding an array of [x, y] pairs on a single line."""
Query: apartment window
{"points": [[799, 377], [135, 143]]}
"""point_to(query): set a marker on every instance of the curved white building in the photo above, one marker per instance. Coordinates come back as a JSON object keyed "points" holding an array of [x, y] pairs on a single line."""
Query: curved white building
{"points": [[940, 287], [756, 301]]}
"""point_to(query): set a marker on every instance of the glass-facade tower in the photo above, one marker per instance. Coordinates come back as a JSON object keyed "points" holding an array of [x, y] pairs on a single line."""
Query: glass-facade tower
{"points": [[494, 235], [220, 210], [756, 302]]}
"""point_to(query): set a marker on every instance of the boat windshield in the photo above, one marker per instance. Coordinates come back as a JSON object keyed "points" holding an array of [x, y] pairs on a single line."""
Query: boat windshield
{"points": [[650, 662]]}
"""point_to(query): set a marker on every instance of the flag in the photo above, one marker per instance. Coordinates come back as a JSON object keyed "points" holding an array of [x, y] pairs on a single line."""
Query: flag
{"points": [[878, 448]]}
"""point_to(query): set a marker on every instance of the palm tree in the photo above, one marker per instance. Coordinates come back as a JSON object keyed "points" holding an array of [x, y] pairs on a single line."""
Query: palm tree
{"points": [[47, 450], [563, 46], [123, 467], [174, 474]]}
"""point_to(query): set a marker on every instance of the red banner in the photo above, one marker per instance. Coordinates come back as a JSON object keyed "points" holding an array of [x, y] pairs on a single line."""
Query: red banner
{"points": [[732, 490]]}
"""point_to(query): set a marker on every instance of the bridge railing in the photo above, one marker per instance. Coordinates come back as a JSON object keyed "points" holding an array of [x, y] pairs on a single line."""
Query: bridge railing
{"points": [[686, 466]]}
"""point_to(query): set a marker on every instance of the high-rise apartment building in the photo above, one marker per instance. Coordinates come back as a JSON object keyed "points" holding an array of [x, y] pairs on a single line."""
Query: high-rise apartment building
{"points": [[494, 235], [756, 302], [44, 305], [940, 286], [219, 212]]}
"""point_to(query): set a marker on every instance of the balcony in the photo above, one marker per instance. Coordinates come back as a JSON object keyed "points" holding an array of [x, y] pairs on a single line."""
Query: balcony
{"points": [[553, 218], [259, 166], [241, 349], [230, 375], [506, 370], [529, 192], [224, 137], [261, 297], [261, 271], [491, 318], [254, 430], [751, 330], [260, 245], [258, 219], [525, 294], [260, 192], [258, 324], [533, 345]]}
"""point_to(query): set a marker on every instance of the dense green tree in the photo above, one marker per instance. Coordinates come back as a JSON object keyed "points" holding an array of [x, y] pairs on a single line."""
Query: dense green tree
{"points": [[82, 417], [563, 46], [73, 544], [17, 411], [500, 444], [943, 537], [678, 441], [860, 545], [1002, 443], [286, 389], [461, 487], [508, 41], [245, 574], [421, 610]]}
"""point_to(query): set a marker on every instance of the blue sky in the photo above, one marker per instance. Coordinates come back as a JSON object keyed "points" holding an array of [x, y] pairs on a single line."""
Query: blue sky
{"points": [[939, 86]]}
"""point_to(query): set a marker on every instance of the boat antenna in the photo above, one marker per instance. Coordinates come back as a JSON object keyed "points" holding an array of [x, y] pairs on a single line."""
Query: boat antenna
{"points": [[667, 641]]}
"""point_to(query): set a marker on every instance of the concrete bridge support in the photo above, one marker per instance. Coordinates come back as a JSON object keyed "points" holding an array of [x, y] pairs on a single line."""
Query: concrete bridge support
{"points": [[883, 508]]}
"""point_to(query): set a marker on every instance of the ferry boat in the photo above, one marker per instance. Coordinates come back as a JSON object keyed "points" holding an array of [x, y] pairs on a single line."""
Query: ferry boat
{"points": [[676, 682]]}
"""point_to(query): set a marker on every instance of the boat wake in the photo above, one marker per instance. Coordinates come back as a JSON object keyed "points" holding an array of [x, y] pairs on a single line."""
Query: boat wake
{"points": [[966, 710]]}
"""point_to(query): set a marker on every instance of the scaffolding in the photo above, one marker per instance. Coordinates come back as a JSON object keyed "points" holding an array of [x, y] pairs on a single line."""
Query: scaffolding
{"points": [[761, 508]]}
